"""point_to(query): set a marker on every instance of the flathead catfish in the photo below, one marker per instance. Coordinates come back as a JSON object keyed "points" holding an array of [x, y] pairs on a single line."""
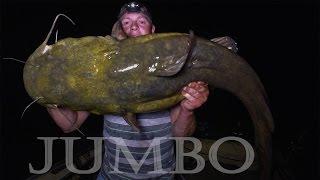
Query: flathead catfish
{"points": [[143, 74]]}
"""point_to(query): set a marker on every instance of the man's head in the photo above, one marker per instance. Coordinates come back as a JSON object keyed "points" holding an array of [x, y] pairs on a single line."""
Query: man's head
{"points": [[134, 20]]}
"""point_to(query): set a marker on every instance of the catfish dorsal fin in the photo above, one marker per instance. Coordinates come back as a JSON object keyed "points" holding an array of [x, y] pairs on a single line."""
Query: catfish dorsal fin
{"points": [[131, 119], [192, 42], [171, 65]]}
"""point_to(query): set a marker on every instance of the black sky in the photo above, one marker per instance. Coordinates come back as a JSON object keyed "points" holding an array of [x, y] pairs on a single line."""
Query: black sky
{"points": [[279, 39]]}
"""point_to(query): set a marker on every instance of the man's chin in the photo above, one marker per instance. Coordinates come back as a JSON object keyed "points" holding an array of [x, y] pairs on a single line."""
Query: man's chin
{"points": [[135, 35]]}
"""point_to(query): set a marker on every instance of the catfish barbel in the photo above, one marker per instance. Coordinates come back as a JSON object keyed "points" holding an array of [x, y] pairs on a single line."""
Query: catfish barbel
{"points": [[143, 74]]}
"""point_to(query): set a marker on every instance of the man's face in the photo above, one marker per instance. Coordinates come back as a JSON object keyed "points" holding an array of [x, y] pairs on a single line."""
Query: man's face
{"points": [[136, 24]]}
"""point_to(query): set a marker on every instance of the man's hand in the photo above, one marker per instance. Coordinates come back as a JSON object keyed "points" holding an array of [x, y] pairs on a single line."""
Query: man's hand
{"points": [[67, 119], [182, 116], [196, 94]]}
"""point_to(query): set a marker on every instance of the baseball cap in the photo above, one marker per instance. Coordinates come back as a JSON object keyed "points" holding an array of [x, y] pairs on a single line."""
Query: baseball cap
{"points": [[135, 7]]}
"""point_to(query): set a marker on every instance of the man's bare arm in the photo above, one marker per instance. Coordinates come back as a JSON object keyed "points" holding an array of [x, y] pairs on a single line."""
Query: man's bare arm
{"points": [[182, 116], [67, 119]]}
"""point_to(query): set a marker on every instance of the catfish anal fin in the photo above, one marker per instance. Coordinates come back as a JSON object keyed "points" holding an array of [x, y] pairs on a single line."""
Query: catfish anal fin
{"points": [[131, 119]]}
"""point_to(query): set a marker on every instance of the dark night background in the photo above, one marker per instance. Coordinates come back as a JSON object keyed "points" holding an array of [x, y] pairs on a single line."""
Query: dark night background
{"points": [[279, 39]]}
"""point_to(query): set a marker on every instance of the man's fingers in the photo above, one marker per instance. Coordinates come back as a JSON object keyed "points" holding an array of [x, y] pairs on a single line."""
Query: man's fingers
{"points": [[190, 90], [188, 96], [195, 97], [192, 84], [196, 90], [196, 83], [202, 83], [201, 88]]}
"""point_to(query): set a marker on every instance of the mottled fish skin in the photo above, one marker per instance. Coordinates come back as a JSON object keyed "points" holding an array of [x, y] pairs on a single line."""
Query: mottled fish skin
{"points": [[144, 74]]}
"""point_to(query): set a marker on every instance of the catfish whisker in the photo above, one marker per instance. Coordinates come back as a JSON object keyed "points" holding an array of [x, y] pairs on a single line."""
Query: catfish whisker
{"points": [[29, 106], [57, 35], [9, 58], [54, 23], [17, 60]]}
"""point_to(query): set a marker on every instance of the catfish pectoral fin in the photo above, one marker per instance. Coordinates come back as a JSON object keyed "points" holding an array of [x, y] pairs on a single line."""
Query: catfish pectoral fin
{"points": [[171, 65], [131, 119]]}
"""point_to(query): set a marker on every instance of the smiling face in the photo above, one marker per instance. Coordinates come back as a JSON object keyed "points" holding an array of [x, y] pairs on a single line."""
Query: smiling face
{"points": [[136, 24]]}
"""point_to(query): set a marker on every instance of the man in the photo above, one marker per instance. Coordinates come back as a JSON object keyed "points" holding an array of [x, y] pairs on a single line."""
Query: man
{"points": [[134, 20]]}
